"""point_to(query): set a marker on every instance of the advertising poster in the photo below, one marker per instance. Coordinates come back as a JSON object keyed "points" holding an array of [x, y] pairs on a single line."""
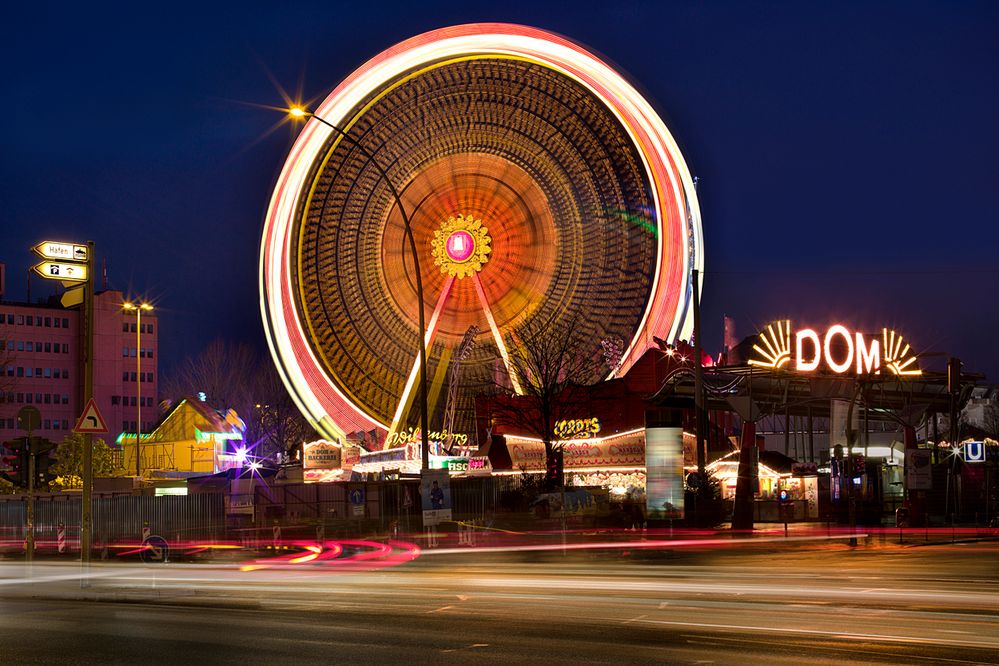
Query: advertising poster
{"points": [[664, 473], [919, 469], [435, 494]]}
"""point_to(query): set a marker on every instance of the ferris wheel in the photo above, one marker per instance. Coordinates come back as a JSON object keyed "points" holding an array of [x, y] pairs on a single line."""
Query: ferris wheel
{"points": [[537, 184]]}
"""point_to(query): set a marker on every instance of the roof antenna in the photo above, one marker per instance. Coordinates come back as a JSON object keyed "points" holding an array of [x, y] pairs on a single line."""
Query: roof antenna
{"points": [[104, 273]]}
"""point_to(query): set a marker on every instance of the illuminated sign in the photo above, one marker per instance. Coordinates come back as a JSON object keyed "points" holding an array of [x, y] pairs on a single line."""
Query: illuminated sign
{"points": [[577, 428], [321, 454], [412, 435], [477, 464], [57, 270], [57, 250], [973, 452], [839, 350]]}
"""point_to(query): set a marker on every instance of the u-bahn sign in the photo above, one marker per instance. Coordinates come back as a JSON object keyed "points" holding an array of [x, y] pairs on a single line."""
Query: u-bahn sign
{"points": [[838, 350]]}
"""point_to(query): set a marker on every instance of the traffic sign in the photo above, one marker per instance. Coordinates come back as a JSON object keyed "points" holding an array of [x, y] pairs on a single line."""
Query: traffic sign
{"points": [[29, 418], [60, 270], [155, 549], [63, 251], [91, 420], [72, 297]]}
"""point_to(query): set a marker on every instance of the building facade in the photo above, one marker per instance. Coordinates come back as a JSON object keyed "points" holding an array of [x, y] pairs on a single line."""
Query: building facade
{"points": [[42, 364]]}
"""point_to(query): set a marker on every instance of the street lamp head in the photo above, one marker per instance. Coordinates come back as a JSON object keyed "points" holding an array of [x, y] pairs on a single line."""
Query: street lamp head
{"points": [[298, 112], [146, 306], [127, 306]]}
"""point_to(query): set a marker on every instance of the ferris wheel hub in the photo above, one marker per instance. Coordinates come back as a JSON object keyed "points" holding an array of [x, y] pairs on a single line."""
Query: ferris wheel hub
{"points": [[461, 246]]}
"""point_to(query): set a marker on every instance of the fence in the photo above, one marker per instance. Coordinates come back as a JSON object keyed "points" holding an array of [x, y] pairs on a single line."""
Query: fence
{"points": [[117, 519]]}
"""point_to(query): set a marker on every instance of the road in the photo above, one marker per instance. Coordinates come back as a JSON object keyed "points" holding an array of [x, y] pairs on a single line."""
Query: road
{"points": [[761, 604]]}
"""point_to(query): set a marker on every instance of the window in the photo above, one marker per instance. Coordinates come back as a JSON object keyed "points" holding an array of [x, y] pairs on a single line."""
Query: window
{"points": [[38, 398], [38, 320], [48, 347], [124, 376], [149, 328], [20, 398], [65, 322], [65, 373], [149, 353], [29, 372], [124, 327], [131, 328], [65, 349], [115, 399], [20, 319], [132, 352], [149, 377], [48, 398], [48, 322], [47, 373], [20, 371], [131, 401], [10, 345], [38, 372], [124, 351], [28, 320], [47, 424], [65, 424], [65, 398], [20, 345], [30, 346], [124, 426], [56, 372], [55, 322], [10, 319], [29, 398], [131, 376]]}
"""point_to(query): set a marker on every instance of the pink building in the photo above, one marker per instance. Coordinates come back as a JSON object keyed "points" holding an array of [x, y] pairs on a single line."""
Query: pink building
{"points": [[41, 364]]}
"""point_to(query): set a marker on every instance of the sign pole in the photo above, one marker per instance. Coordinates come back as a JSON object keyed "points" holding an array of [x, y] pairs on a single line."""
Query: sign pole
{"points": [[88, 391], [29, 555]]}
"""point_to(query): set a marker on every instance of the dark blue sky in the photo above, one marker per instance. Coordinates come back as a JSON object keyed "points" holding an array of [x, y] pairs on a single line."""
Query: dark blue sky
{"points": [[848, 152]]}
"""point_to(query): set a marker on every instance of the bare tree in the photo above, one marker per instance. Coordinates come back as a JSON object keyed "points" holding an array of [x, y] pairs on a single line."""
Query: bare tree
{"points": [[552, 361], [233, 376]]}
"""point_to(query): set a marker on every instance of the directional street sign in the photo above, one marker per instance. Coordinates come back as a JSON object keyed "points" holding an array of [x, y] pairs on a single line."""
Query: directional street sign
{"points": [[155, 549], [61, 251], [59, 270], [91, 420], [73, 297]]}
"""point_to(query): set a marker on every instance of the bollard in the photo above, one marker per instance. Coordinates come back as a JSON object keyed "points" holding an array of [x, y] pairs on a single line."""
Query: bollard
{"points": [[61, 538], [277, 535]]}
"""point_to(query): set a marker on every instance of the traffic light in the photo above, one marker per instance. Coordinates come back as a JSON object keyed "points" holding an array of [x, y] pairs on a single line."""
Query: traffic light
{"points": [[553, 471], [43, 462], [15, 462], [859, 464]]}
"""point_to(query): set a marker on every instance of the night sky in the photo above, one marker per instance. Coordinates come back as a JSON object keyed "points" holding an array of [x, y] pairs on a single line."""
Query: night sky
{"points": [[848, 153]]}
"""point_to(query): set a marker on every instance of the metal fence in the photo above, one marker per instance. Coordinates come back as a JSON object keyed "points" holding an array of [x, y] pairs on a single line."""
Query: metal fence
{"points": [[117, 519]]}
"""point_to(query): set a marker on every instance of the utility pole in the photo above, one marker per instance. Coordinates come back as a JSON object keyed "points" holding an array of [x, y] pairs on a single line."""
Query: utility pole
{"points": [[88, 394], [699, 425]]}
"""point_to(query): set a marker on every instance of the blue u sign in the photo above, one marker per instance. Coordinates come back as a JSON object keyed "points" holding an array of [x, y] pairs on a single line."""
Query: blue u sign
{"points": [[974, 452]]}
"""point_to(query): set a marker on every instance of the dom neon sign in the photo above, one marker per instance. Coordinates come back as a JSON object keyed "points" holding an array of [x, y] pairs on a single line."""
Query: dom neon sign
{"points": [[838, 350]]}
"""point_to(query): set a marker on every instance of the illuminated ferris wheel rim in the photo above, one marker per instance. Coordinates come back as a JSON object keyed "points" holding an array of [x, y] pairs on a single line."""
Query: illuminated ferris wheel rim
{"points": [[676, 211]]}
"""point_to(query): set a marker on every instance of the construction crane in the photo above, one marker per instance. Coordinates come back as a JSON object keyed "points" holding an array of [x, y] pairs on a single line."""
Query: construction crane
{"points": [[464, 349]]}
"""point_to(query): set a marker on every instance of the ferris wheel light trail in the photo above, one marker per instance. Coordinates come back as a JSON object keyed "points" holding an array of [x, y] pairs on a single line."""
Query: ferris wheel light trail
{"points": [[434, 128], [428, 341], [497, 336]]}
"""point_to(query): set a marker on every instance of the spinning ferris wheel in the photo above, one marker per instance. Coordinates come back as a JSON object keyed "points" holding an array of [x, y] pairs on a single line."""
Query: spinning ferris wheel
{"points": [[537, 184]]}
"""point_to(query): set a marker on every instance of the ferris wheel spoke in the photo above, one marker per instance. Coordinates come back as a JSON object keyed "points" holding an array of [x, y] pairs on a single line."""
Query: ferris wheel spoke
{"points": [[497, 336], [428, 340]]}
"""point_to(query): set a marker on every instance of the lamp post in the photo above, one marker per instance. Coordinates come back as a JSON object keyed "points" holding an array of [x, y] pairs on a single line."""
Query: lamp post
{"points": [[302, 112], [138, 308]]}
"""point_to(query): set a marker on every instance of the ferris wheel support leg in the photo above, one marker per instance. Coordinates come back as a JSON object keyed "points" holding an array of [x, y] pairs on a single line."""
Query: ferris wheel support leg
{"points": [[428, 340], [497, 336]]}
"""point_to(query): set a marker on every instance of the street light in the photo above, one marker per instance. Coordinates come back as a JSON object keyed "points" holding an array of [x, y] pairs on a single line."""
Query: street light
{"points": [[302, 112], [138, 308]]}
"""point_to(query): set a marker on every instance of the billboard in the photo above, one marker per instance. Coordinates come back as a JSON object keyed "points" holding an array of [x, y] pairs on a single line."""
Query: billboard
{"points": [[664, 473], [435, 495]]}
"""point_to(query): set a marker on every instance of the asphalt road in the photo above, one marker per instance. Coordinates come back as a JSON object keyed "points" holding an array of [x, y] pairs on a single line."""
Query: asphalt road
{"points": [[937, 604]]}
